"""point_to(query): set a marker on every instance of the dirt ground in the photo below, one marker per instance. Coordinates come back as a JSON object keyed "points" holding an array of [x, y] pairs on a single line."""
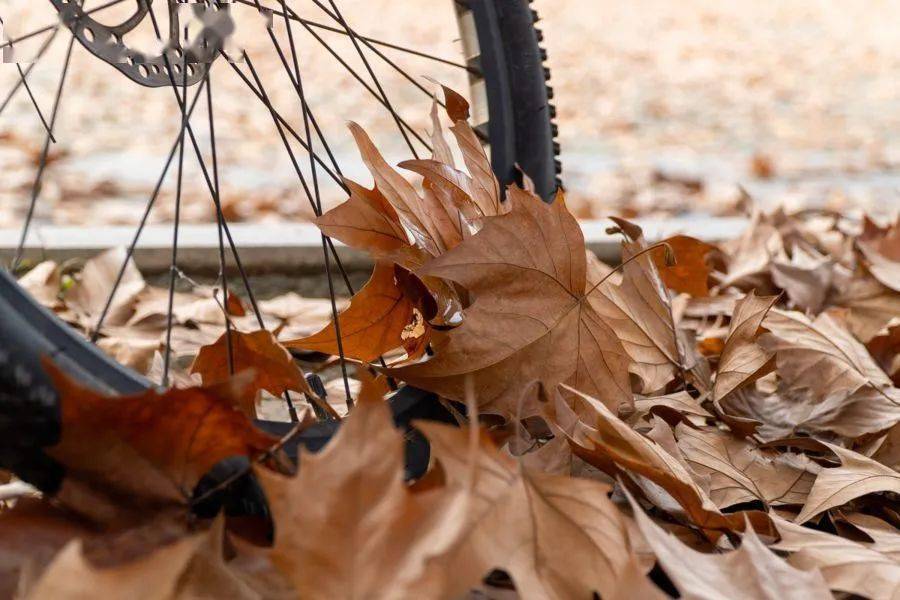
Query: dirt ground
{"points": [[664, 108]]}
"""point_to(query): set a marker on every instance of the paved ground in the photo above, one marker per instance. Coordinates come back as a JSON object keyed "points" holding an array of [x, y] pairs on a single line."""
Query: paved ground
{"points": [[663, 107]]}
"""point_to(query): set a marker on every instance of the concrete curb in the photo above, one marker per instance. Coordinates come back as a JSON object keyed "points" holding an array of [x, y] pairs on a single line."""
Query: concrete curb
{"points": [[291, 247]]}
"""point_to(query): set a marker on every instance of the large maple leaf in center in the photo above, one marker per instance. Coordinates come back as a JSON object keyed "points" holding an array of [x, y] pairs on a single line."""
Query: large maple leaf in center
{"points": [[531, 319]]}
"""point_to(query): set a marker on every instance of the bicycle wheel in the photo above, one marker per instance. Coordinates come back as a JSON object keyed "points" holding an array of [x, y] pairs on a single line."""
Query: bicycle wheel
{"points": [[509, 92]]}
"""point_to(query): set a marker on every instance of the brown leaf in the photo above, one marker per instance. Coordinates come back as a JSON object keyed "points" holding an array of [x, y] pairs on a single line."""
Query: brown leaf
{"points": [[805, 277], [740, 472], [820, 358], [751, 254], [511, 510], [856, 477], [367, 221], [43, 283], [639, 310], [380, 318], [511, 336], [128, 456], [611, 445], [89, 295], [191, 567], [273, 367], [871, 307], [690, 272], [751, 572], [885, 349], [347, 524], [846, 565], [881, 249], [743, 360]]}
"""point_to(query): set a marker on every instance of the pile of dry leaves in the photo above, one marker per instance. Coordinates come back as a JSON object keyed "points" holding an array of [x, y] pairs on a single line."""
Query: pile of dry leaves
{"points": [[717, 421]]}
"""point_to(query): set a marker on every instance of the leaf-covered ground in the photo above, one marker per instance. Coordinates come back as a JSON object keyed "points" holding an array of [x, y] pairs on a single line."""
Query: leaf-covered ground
{"points": [[717, 422]]}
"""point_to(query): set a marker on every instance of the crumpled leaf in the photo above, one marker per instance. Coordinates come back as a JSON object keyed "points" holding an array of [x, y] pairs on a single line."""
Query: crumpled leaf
{"points": [[691, 270], [191, 567], [381, 318], [89, 295], [511, 337], [511, 510], [347, 525], [805, 277], [740, 472], [856, 477], [823, 363], [751, 572], [639, 310], [273, 367], [742, 359], [151, 448], [881, 249], [846, 565], [614, 447]]}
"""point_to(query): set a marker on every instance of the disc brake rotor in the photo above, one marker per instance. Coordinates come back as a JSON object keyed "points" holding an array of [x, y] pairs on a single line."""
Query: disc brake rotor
{"points": [[189, 63]]}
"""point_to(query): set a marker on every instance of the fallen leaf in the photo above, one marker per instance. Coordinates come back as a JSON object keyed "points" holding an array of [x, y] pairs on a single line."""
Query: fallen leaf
{"points": [[690, 272], [639, 310], [740, 472], [273, 367], [856, 477], [822, 359], [612, 446], [805, 277], [512, 509], [88, 297], [751, 572], [846, 565], [743, 360], [510, 337], [348, 526], [188, 568], [381, 318], [151, 448], [881, 249]]}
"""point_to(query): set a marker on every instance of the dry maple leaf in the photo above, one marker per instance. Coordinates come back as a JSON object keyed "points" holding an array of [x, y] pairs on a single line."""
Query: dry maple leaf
{"points": [[639, 310], [857, 476], [531, 318], [871, 306], [512, 511], [742, 359], [881, 249], [751, 572], [191, 567], [885, 349], [126, 456], [381, 317], [750, 255], [691, 270], [88, 297], [347, 525], [740, 472], [272, 366], [847, 566], [820, 358], [614, 447], [805, 277]]}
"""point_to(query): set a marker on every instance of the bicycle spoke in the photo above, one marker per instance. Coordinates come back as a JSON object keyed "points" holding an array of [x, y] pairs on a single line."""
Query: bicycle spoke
{"points": [[173, 266], [42, 164], [297, 81], [289, 13], [23, 79], [129, 253], [37, 57], [223, 276]]}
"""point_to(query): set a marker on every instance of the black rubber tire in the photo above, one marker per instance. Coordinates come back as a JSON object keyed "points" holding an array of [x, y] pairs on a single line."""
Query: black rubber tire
{"points": [[521, 130]]}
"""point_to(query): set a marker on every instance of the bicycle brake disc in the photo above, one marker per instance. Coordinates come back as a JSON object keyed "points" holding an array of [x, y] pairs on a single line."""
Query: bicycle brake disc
{"points": [[183, 65]]}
